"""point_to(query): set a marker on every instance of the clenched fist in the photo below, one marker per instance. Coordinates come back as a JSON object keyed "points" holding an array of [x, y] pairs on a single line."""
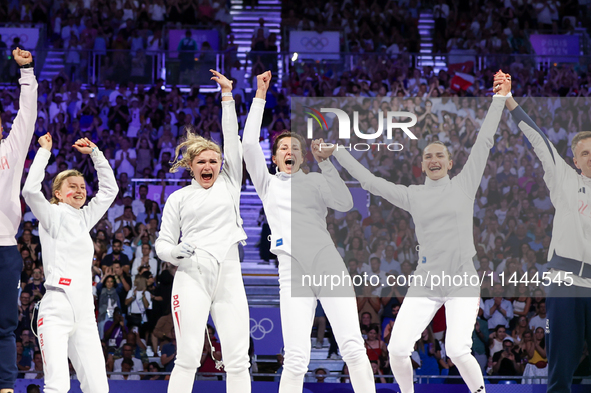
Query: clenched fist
{"points": [[22, 57]]}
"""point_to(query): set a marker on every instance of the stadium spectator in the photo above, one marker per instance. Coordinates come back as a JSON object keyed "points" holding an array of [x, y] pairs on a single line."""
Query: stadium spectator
{"points": [[127, 366], [507, 361], [25, 312], [115, 330], [498, 311], [35, 288], [168, 356], [539, 320], [37, 371], [23, 364], [144, 260], [127, 353], [116, 255]]}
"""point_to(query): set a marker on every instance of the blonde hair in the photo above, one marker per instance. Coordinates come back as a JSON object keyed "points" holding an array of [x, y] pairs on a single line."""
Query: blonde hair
{"points": [[59, 180], [579, 137], [440, 144], [191, 147]]}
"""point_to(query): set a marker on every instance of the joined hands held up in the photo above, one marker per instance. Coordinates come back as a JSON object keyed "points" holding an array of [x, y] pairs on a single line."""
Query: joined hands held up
{"points": [[321, 151], [502, 83]]}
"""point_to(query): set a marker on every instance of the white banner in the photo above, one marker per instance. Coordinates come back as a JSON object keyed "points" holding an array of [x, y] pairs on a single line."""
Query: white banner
{"points": [[28, 35], [313, 45]]}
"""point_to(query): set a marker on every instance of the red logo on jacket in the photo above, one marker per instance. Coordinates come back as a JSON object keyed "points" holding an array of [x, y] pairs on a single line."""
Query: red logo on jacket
{"points": [[4, 163], [65, 281], [176, 304], [40, 322]]}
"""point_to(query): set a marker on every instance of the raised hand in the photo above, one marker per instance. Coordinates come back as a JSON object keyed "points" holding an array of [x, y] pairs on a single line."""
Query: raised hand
{"points": [[263, 81], [46, 142], [225, 83], [22, 57], [321, 151], [84, 145], [502, 83]]}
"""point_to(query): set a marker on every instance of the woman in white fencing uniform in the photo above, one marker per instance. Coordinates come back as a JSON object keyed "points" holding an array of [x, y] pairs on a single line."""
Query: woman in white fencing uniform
{"points": [[209, 277], [66, 324], [303, 245], [442, 210]]}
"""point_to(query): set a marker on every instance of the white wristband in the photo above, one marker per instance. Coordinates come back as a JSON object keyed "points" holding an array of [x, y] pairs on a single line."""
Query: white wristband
{"points": [[226, 94]]}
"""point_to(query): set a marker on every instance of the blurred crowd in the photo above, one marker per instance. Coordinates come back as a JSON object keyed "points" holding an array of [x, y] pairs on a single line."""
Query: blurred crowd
{"points": [[391, 27]]}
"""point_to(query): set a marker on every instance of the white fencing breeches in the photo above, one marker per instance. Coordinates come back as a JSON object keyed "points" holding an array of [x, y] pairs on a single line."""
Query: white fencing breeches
{"points": [[297, 317], [415, 315], [201, 285], [61, 336]]}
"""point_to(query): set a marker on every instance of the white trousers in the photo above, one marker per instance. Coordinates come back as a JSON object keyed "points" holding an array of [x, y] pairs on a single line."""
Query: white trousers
{"points": [[297, 317], [60, 337], [415, 315], [202, 285]]}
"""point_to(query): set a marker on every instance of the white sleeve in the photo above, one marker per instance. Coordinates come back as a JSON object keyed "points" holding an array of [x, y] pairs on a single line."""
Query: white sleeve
{"points": [[509, 310], [232, 145], [486, 309], [40, 206], [23, 126], [393, 193], [556, 170], [471, 175], [170, 231], [134, 265], [130, 293], [107, 190], [154, 266], [335, 193], [254, 158]]}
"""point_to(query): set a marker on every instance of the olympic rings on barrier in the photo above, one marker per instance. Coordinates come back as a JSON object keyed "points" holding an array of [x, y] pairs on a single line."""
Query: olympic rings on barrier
{"points": [[260, 329], [314, 43]]}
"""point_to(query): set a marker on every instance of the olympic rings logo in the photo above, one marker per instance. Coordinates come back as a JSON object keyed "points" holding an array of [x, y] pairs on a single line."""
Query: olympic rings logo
{"points": [[258, 330], [314, 43], [23, 37]]}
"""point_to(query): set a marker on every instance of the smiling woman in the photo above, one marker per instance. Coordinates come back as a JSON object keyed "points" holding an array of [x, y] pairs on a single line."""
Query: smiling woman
{"points": [[442, 211], [68, 184], [436, 160], [67, 323]]}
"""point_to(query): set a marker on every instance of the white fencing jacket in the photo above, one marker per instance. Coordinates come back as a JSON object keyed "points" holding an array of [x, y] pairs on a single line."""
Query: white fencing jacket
{"points": [[570, 193], [64, 231], [13, 152], [208, 219], [295, 205], [442, 210]]}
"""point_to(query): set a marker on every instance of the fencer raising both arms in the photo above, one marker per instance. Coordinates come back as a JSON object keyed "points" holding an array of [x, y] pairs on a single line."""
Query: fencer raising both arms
{"points": [[200, 232], [442, 210], [66, 324], [296, 205]]}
